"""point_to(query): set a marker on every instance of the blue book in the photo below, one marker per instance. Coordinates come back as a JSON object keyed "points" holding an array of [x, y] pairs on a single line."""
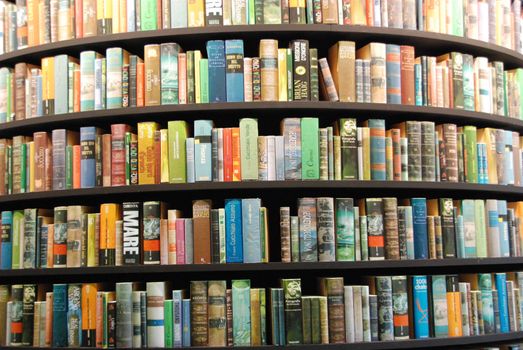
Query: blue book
{"points": [[88, 161], [60, 315], [251, 230], [6, 243], [439, 306], [420, 307], [186, 322], [504, 240], [189, 154], [203, 150], [501, 287], [485, 287], [234, 70], [61, 87], [179, 14], [508, 159], [216, 56], [485, 164], [419, 223], [177, 318], [417, 85], [233, 231], [377, 149], [393, 74]]}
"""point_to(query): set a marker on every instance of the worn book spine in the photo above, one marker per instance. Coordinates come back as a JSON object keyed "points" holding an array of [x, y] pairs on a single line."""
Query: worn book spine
{"points": [[251, 230], [307, 214], [390, 218], [385, 307], [293, 311], [419, 220], [333, 289], [439, 305], [152, 215], [199, 312], [217, 321], [155, 313], [60, 307], [269, 69], [285, 234], [428, 166], [400, 307], [447, 227], [376, 240]]}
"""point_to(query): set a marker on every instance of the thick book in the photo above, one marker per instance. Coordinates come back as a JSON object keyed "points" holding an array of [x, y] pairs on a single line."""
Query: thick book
{"points": [[153, 213], [293, 311], [377, 148], [400, 307], [393, 69], [155, 313], [249, 148], [439, 306], [373, 209], [169, 73], [241, 304], [385, 307], [333, 289], [131, 233], [74, 314], [217, 66], [201, 210], [420, 307], [419, 220], [60, 307], [233, 229], [341, 61], [217, 321], [177, 135], [251, 230], [325, 228], [199, 313], [147, 171], [6, 242], [345, 230], [376, 53], [308, 229], [234, 70], [349, 148], [291, 131], [109, 214], [310, 169]]}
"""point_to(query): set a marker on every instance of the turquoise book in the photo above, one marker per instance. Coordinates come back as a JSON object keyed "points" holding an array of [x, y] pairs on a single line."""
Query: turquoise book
{"points": [[186, 322], [234, 70], [377, 149], [6, 240], [241, 304], [344, 217], [61, 84], [504, 240], [148, 15], [419, 225], [487, 307], [204, 80], [310, 152], [169, 73], [420, 307], [439, 306], [60, 315], [501, 287], [233, 231], [115, 61], [252, 243], [418, 90], [469, 227], [216, 57], [202, 150], [177, 318]]}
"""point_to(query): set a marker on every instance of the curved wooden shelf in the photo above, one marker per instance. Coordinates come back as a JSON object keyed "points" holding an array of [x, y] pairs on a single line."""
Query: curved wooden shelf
{"points": [[192, 38], [431, 343], [140, 272], [271, 189], [230, 112]]}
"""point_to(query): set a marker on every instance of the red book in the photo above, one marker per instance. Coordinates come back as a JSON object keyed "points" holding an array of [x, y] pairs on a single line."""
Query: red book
{"points": [[77, 156], [407, 75], [180, 241], [227, 155], [118, 153]]}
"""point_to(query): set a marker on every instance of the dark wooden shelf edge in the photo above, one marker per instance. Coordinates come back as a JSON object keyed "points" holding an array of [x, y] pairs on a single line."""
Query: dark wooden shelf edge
{"points": [[458, 189], [389, 265], [510, 57], [405, 344], [282, 109]]}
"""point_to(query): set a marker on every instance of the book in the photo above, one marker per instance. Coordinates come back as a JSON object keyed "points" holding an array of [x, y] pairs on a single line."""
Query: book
{"points": [[292, 311], [241, 302], [155, 312]]}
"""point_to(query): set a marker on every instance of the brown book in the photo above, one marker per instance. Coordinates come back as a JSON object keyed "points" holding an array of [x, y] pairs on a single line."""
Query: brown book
{"points": [[199, 312], [22, 71], [229, 318], [4, 298], [407, 75], [342, 57], [106, 160], [118, 154], [201, 211], [376, 53], [89, 18], [327, 86], [268, 70], [329, 10], [152, 74], [255, 317], [217, 313], [43, 144], [333, 289], [390, 218]]}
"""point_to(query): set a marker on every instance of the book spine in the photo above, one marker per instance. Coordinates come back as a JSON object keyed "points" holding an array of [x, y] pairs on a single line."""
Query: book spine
{"points": [[293, 311], [60, 307], [131, 233], [400, 307], [241, 303], [217, 313], [155, 312], [420, 307], [234, 239], [151, 232], [385, 307], [419, 220]]}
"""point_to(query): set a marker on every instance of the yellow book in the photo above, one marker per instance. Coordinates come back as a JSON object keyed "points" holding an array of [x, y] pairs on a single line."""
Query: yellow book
{"points": [[146, 156], [255, 317], [88, 302], [108, 15], [31, 166], [359, 12], [109, 214], [48, 85], [282, 74], [116, 19], [195, 13], [32, 23], [488, 137], [164, 153], [365, 133], [266, 250], [123, 16], [40, 13], [92, 257], [443, 17], [197, 86], [152, 74]]}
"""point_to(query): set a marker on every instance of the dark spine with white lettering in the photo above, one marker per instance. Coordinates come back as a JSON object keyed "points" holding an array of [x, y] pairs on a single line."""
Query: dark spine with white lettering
{"points": [[301, 73], [213, 12], [131, 233]]}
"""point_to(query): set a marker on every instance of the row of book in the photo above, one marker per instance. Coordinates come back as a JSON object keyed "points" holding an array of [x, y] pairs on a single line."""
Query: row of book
{"points": [[408, 151], [167, 75], [409, 307], [35, 22], [325, 229], [342, 229]]}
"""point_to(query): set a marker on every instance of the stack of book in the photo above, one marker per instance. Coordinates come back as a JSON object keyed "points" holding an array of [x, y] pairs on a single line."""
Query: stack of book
{"points": [[35, 22], [408, 151], [167, 75], [409, 307]]}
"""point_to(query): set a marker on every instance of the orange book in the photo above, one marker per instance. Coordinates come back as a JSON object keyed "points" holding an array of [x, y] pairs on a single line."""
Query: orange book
{"points": [[146, 154], [99, 319], [454, 307], [106, 160], [78, 19], [140, 76], [33, 28], [182, 78], [89, 291], [48, 318], [48, 85], [50, 256], [370, 12], [236, 157], [109, 213], [77, 156], [172, 216], [76, 91]]}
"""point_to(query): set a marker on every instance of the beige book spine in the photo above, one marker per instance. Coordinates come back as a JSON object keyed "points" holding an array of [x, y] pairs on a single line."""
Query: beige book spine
{"points": [[269, 69]]}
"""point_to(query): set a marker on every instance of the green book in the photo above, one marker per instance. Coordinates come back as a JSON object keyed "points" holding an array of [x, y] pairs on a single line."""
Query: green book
{"points": [[148, 13], [292, 310], [471, 165], [115, 60], [191, 98], [271, 12], [315, 321], [306, 319], [263, 316], [169, 73], [168, 322], [295, 239], [456, 15], [251, 9], [204, 80], [481, 233], [349, 148], [439, 306], [241, 304], [310, 152], [69, 167], [344, 229], [485, 287], [177, 134], [249, 148], [23, 168], [18, 226], [290, 79]]}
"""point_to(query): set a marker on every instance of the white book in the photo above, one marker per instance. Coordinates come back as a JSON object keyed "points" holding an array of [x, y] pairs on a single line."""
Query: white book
{"points": [[279, 157], [358, 313], [136, 319], [189, 153], [179, 14], [365, 313], [349, 314], [511, 301], [177, 318], [483, 17], [493, 237], [239, 12], [43, 318], [131, 16], [119, 243], [271, 158], [227, 12], [340, 12], [155, 314], [8, 312], [464, 308], [377, 9], [384, 14], [247, 79], [172, 215], [471, 18]]}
